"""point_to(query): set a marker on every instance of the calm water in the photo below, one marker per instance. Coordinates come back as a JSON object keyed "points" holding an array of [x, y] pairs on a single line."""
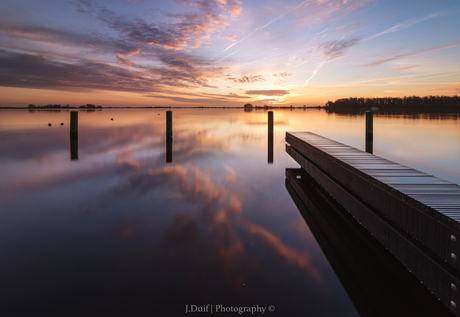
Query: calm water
{"points": [[119, 231]]}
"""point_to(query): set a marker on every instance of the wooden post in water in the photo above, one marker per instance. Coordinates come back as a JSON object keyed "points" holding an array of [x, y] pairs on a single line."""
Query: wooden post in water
{"points": [[169, 133], [270, 137], [169, 128], [369, 132], [74, 123], [73, 135]]}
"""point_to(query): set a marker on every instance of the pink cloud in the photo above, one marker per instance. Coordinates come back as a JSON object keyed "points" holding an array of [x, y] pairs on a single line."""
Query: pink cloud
{"points": [[273, 92]]}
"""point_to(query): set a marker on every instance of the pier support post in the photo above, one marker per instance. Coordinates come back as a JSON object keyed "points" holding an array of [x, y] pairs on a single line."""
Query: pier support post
{"points": [[169, 133], [369, 131], [270, 137]]}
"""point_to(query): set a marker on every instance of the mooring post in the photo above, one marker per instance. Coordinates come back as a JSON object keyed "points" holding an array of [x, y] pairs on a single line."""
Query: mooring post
{"points": [[73, 135], [270, 137], [73, 123], [169, 122], [169, 133], [369, 131]]}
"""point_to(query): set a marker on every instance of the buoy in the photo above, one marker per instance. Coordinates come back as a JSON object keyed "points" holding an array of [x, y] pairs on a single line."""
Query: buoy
{"points": [[62, 123], [49, 124], [111, 119]]}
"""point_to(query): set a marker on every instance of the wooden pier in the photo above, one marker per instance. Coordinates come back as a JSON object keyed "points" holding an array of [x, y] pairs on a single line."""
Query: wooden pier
{"points": [[412, 214]]}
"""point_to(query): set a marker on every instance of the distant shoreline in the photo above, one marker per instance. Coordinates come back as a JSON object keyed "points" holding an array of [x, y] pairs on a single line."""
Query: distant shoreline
{"points": [[170, 107], [351, 104]]}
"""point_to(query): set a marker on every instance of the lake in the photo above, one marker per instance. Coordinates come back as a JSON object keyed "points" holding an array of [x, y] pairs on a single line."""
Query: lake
{"points": [[105, 226]]}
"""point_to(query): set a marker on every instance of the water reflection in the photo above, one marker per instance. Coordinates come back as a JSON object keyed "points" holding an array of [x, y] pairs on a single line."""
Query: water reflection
{"points": [[413, 114], [376, 282], [74, 147], [133, 235], [169, 147]]}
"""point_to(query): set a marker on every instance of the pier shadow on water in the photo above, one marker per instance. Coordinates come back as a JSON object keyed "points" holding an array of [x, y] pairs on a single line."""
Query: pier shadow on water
{"points": [[376, 282]]}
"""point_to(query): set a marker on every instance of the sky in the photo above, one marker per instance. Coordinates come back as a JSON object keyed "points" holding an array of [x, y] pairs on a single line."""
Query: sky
{"points": [[225, 52]]}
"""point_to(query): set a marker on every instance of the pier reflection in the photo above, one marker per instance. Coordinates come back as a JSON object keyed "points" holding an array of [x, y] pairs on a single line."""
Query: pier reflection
{"points": [[377, 283]]}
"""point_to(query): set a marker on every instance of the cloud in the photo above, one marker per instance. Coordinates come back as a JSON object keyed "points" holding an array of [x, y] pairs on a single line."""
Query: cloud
{"points": [[408, 67], [230, 177], [48, 36], [336, 49], [201, 98], [144, 57], [190, 29], [426, 50], [281, 78], [72, 72], [267, 92], [282, 75], [37, 71], [139, 31], [331, 50], [270, 100], [248, 79], [234, 7]]}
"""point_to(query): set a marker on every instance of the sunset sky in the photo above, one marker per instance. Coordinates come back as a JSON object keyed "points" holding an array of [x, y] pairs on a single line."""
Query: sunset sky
{"points": [[225, 52]]}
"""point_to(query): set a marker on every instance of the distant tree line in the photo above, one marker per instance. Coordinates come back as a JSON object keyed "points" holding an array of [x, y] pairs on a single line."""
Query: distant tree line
{"points": [[56, 106], [433, 103], [90, 106], [249, 107], [48, 106]]}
